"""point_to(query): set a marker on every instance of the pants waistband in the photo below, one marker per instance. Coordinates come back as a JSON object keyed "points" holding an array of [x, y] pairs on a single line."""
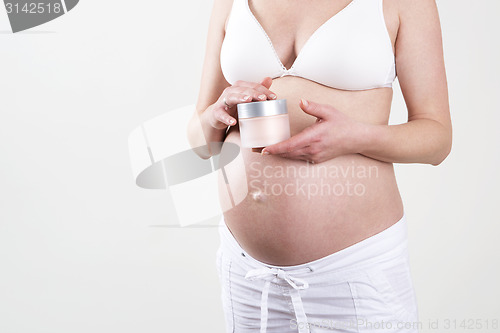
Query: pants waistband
{"points": [[374, 250], [371, 252]]}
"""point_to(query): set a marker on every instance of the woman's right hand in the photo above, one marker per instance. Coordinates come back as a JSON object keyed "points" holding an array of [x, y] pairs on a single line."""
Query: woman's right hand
{"points": [[224, 113]]}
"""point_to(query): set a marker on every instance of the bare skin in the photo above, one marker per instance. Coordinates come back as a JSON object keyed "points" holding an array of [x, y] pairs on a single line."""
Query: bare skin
{"points": [[283, 221]]}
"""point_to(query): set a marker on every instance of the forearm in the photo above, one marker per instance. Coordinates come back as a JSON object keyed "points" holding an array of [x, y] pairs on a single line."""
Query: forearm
{"points": [[417, 141], [200, 132]]}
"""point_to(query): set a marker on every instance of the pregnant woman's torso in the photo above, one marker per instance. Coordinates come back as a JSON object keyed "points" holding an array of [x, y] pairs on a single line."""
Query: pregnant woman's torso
{"points": [[297, 212]]}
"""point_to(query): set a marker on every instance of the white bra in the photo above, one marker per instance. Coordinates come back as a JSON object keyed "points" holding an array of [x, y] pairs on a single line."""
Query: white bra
{"points": [[350, 51]]}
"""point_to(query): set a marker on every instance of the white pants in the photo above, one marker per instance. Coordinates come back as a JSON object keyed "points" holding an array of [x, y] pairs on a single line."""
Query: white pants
{"points": [[365, 287]]}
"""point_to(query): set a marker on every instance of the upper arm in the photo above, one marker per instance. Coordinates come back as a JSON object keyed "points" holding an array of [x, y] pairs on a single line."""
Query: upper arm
{"points": [[212, 80], [420, 62]]}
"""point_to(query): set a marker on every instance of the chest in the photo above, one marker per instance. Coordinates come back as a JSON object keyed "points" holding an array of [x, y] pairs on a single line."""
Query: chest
{"points": [[290, 24], [345, 44]]}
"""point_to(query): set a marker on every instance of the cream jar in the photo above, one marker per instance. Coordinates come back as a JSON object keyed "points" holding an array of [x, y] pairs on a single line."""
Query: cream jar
{"points": [[263, 123]]}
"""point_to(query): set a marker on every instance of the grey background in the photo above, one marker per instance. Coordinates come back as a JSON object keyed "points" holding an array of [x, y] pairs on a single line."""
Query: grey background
{"points": [[77, 250]]}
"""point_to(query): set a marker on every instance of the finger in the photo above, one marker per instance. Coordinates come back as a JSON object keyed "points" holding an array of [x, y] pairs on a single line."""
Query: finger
{"points": [[314, 109], [244, 95], [235, 98], [293, 156], [299, 154], [307, 153], [301, 140], [258, 87], [301, 157], [223, 117], [303, 151], [256, 94], [266, 82]]}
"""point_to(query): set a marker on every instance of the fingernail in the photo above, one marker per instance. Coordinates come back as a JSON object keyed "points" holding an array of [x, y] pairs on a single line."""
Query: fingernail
{"points": [[264, 152], [304, 102], [232, 121], [245, 98], [273, 96], [262, 97]]}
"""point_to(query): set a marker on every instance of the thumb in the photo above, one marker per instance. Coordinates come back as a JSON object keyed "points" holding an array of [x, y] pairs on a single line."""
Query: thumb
{"points": [[315, 109], [266, 82]]}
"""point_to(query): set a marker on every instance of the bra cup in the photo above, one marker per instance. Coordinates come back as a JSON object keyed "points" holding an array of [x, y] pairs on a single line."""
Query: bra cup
{"points": [[245, 52], [352, 61]]}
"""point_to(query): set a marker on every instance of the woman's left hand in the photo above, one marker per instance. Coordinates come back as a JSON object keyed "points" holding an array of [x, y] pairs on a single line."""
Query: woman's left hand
{"points": [[334, 134]]}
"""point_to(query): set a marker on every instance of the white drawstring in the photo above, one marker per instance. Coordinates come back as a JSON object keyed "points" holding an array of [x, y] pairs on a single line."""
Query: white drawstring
{"points": [[269, 274]]}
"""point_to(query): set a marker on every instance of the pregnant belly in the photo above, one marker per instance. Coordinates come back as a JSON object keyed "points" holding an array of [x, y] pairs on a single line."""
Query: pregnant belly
{"points": [[296, 212]]}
